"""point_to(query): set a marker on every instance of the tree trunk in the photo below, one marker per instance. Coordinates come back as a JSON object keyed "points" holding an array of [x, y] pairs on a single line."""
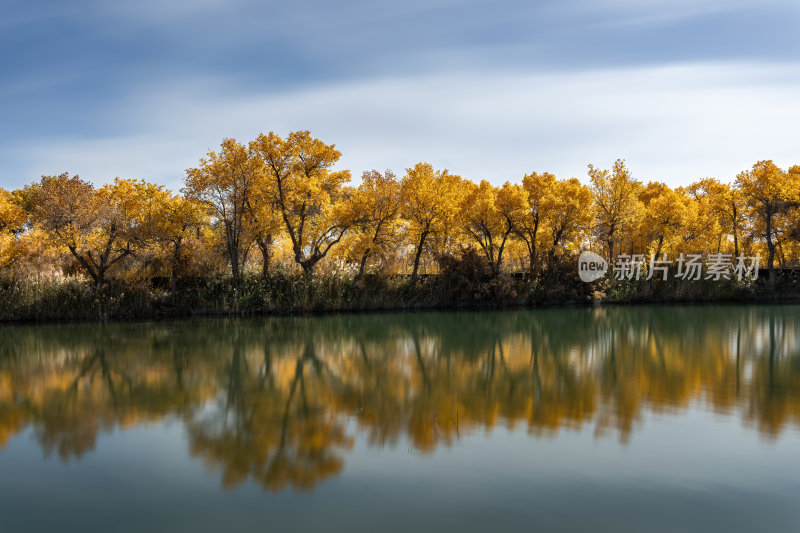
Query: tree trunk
{"points": [[771, 249], [232, 246], [532, 257], [308, 268], [85, 264], [362, 265], [417, 256], [173, 275], [264, 247]]}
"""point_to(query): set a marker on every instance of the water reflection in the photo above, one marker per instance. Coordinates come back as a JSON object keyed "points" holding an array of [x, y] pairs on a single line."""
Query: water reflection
{"points": [[279, 401]]}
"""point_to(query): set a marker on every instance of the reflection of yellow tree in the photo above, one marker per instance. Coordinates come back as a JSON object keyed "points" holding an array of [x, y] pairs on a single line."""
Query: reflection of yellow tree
{"points": [[773, 401], [279, 432], [277, 401], [80, 390]]}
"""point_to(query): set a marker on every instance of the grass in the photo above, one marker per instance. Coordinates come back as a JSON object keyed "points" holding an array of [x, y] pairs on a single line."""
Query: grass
{"points": [[464, 283]]}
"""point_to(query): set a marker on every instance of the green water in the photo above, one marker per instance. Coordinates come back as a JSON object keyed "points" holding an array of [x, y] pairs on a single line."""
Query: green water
{"points": [[620, 419]]}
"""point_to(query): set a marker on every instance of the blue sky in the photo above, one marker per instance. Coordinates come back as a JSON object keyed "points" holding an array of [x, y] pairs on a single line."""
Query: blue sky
{"points": [[680, 89]]}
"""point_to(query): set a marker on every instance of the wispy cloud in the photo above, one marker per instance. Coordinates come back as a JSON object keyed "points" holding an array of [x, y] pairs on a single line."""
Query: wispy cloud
{"points": [[673, 123], [488, 89]]}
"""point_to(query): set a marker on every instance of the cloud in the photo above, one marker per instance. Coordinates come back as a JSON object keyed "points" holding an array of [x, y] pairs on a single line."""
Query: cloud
{"points": [[672, 123]]}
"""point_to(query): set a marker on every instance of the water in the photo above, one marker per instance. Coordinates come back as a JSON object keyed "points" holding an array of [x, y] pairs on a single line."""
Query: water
{"points": [[620, 419]]}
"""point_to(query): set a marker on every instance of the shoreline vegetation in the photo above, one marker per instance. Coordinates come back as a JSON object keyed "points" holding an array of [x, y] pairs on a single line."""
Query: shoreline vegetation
{"points": [[271, 227], [462, 287]]}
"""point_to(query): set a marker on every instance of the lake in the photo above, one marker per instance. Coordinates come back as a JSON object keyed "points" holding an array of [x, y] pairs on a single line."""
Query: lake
{"points": [[591, 419]]}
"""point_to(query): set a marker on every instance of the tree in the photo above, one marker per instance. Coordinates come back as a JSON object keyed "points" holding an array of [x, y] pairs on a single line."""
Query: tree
{"points": [[567, 213], [263, 221], [430, 200], [174, 220], [308, 193], [537, 187], [616, 206], [490, 215], [664, 216], [224, 182], [725, 204], [100, 227], [794, 218], [12, 219], [769, 193], [376, 209], [12, 216]]}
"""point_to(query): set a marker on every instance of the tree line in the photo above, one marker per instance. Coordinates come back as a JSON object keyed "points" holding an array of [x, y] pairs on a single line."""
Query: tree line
{"points": [[280, 201]]}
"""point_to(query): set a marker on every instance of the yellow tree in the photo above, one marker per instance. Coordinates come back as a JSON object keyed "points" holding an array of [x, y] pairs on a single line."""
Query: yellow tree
{"points": [[724, 203], [537, 187], [100, 228], [264, 221], [794, 217], [703, 228], [769, 193], [308, 194], [664, 216], [567, 213], [511, 201], [430, 202], [730, 204], [617, 207], [174, 221], [12, 216], [489, 216], [12, 219], [224, 182], [376, 210]]}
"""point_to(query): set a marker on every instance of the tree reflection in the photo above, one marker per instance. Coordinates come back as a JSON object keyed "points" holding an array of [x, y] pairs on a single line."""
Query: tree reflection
{"points": [[278, 432], [279, 402]]}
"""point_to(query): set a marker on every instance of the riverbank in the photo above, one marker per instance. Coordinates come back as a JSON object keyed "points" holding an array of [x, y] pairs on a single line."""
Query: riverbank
{"points": [[286, 293]]}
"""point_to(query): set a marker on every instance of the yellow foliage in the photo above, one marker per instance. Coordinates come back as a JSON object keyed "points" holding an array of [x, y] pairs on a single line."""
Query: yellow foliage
{"points": [[772, 196], [374, 211], [307, 193], [618, 210], [282, 196], [224, 182], [430, 207]]}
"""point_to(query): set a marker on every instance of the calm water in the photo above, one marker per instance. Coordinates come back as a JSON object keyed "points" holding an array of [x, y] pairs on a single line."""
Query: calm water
{"points": [[623, 419]]}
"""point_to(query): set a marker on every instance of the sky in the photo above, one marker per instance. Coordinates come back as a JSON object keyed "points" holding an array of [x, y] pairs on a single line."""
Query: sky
{"points": [[680, 89]]}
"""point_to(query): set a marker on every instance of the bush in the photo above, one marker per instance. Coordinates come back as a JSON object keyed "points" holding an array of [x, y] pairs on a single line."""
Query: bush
{"points": [[467, 280]]}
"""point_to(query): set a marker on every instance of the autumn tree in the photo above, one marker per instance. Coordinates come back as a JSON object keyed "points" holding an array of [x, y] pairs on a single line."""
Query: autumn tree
{"points": [[490, 215], [430, 203], [263, 221], [224, 182], [12, 219], [99, 227], [174, 220], [664, 216], [720, 208], [794, 216], [536, 187], [566, 213], [729, 203], [12, 216], [769, 193], [375, 206], [617, 207], [307, 192]]}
